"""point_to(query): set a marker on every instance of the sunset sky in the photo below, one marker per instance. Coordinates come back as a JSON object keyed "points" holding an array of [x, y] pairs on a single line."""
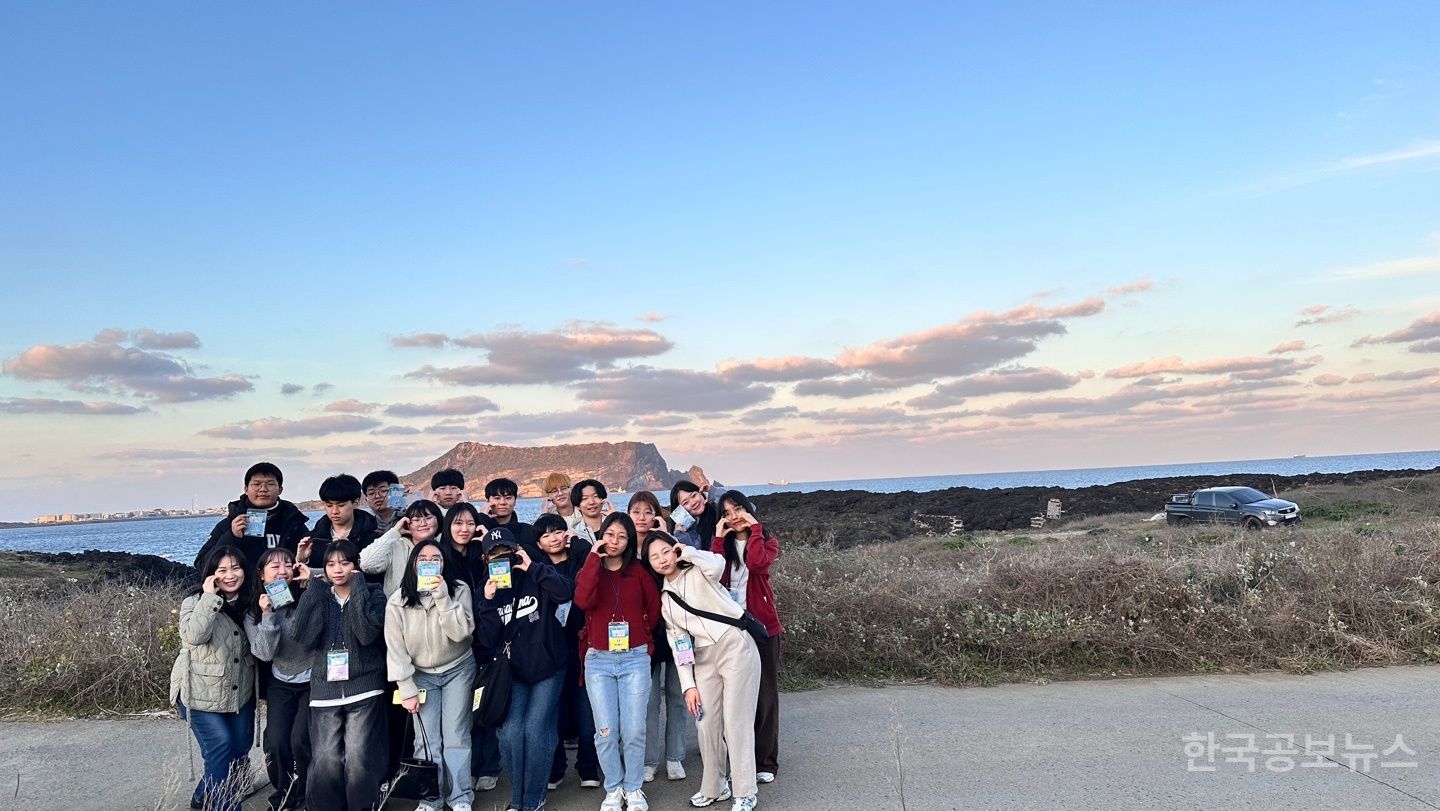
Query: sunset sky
{"points": [[799, 240]]}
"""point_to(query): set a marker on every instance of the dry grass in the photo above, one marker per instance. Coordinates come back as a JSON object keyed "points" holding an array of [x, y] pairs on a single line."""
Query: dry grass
{"points": [[86, 650], [1119, 596]]}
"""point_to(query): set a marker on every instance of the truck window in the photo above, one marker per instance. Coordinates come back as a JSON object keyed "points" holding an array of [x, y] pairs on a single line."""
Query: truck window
{"points": [[1205, 499]]}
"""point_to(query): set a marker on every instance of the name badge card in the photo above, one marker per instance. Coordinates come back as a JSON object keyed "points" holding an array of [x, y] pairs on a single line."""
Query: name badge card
{"points": [[500, 573], [562, 611], [255, 523], [395, 497], [427, 575], [619, 636], [337, 665], [279, 592], [684, 652]]}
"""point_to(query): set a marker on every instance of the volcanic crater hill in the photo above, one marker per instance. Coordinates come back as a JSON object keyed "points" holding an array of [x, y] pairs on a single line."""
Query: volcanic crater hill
{"points": [[629, 465], [850, 517]]}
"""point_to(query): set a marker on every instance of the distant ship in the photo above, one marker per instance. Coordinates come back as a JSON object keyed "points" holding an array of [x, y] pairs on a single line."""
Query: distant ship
{"points": [[1298, 456], [780, 483]]}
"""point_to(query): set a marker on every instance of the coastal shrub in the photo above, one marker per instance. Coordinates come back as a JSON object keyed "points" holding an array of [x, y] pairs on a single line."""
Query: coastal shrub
{"points": [[102, 648], [1175, 600]]}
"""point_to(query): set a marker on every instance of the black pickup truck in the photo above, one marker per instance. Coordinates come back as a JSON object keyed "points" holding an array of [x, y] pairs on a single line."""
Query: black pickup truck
{"points": [[1242, 506]]}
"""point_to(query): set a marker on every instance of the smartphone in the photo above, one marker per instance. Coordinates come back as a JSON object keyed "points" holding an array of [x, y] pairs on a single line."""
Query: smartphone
{"points": [[682, 519]]}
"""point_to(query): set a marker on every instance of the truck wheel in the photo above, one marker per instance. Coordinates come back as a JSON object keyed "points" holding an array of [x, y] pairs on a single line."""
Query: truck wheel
{"points": [[1251, 523], [1181, 521]]}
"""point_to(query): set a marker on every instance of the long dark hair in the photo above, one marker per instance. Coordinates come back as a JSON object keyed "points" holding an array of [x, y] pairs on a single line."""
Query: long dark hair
{"points": [[246, 595], [646, 497], [464, 563], [410, 581], [623, 519], [452, 514], [736, 498], [706, 521], [265, 558]]}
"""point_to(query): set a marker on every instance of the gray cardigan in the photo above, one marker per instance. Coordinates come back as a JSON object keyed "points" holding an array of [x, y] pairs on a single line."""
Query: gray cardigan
{"points": [[320, 623], [271, 641]]}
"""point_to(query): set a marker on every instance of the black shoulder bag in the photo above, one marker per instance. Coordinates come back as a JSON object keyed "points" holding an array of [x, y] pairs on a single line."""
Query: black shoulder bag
{"points": [[493, 681], [745, 621]]}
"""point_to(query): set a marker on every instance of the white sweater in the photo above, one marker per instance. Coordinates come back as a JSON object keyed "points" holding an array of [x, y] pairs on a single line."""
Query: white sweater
{"points": [[699, 586], [390, 554]]}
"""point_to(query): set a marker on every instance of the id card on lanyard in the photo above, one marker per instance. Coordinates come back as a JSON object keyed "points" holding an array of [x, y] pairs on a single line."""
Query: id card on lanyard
{"points": [[684, 651], [619, 629], [337, 665]]}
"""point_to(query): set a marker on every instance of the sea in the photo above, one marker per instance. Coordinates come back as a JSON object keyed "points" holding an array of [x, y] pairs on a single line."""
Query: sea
{"points": [[180, 538]]}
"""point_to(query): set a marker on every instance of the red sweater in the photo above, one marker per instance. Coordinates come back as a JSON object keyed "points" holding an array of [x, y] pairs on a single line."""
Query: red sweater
{"points": [[761, 550], [595, 593]]}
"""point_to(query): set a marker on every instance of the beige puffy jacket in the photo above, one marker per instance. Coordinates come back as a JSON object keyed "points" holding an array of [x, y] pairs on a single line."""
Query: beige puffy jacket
{"points": [[215, 671]]}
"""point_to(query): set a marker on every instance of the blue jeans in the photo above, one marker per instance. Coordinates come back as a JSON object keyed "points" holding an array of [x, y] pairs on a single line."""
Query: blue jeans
{"points": [[446, 715], [528, 738], [225, 739], [619, 688], [665, 689], [576, 721]]}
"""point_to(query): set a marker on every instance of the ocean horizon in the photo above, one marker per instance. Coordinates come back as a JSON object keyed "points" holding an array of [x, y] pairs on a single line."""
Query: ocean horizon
{"points": [[180, 538]]}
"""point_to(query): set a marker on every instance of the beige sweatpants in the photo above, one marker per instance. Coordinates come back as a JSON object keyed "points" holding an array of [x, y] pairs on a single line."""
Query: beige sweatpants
{"points": [[727, 674]]}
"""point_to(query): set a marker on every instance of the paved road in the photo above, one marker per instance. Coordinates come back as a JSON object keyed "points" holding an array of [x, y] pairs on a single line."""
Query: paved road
{"points": [[1116, 744]]}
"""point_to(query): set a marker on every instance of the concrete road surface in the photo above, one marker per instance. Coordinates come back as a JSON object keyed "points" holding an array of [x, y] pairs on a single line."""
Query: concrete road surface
{"points": [[1367, 739]]}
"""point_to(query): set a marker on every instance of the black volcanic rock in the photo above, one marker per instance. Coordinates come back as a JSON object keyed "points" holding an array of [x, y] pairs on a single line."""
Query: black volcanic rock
{"points": [[850, 517]]}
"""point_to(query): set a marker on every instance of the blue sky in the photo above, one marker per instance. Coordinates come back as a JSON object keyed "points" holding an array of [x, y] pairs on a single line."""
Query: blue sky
{"points": [[297, 188]]}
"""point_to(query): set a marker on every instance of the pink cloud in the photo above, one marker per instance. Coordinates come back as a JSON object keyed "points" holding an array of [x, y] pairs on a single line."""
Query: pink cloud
{"points": [[1317, 314], [1328, 380], [1253, 367], [278, 428], [1423, 329], [432, 340], [40, 405], [1006, 380], [1289, 346], [463, 405], [563, 355], [1137, 286], [777, 370], [351, 406]]}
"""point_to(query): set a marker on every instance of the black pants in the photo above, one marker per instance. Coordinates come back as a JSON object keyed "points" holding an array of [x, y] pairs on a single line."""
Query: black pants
{"points": [[348, 760], [397, 720], [287, 742], [576, 721], [767, 708]]}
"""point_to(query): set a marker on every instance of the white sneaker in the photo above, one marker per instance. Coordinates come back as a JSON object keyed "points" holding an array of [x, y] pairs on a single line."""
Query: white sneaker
{"points": [[745, 803], [554, 784], [635, 801], [589, 783], [429, 806], [486, 783], [700, 800], [614, 800], [675, 770], [649, 774], [460, 807], [764, 777]]}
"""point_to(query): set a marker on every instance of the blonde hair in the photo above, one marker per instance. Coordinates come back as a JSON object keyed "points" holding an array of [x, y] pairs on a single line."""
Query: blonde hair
{"points": [[555, 480]]}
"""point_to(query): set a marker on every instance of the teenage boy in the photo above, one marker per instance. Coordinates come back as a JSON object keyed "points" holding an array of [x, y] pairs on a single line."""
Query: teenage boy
{"points": [[284, 526], [343, 521], [500, 495], [447, 488], [376, 486], [557, 499]]}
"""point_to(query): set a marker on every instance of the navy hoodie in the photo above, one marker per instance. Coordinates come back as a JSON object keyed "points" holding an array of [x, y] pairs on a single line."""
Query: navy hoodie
{"points": [[524, 615]]}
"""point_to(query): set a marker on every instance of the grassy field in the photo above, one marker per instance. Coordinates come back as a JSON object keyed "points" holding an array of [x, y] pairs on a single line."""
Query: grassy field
{"points": [[1357, 585]]}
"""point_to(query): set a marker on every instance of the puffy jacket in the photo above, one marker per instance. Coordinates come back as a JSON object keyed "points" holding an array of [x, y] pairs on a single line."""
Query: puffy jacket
{"points": [[214, 671], [285, 526], [432, 637], [762, 549]]}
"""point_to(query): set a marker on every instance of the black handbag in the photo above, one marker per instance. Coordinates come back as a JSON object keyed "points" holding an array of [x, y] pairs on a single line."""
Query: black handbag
{"points": [[493, 681], [417, 778], [745, 621]]}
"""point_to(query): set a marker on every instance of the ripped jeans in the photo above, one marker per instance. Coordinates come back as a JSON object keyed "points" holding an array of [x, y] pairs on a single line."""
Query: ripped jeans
{"points": [[619, 688]]}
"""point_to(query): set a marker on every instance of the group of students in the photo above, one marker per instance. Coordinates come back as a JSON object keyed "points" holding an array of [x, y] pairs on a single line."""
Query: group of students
{"points": [[365, 635]]}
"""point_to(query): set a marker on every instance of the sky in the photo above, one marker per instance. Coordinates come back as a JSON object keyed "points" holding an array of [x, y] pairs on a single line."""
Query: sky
{"points": [[808, 241]]}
